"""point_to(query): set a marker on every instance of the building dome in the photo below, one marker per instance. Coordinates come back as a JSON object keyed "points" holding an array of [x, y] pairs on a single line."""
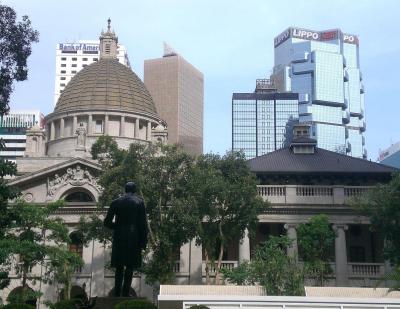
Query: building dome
{"points": [[106, 85]]}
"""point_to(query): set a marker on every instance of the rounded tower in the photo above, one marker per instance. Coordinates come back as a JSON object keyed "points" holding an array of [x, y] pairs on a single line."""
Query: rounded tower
{"points": [[104, 98]]}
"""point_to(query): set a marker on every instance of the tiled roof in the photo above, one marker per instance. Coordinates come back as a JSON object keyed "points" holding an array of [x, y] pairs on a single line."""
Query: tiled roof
{"points": [[106, 84], [322, 161]]}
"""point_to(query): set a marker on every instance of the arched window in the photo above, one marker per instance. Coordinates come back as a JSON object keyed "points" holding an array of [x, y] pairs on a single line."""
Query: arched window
{"points": [[19, 295], [78, 196]]}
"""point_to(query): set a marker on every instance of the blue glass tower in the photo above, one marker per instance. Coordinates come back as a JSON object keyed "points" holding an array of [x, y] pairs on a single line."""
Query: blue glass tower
{"points": [[323, 68]]}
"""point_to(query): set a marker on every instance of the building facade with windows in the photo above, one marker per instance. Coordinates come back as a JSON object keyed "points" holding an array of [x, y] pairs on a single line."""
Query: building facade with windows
{"points": [[262, 121], [13, 127], [104, 98], [177, 88], [323, 67], [73, 57], [390, 156]]}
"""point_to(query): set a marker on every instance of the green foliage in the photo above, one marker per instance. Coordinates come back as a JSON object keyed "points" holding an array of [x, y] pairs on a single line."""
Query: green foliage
{"points": [[16, 38], [22, 295], [270, 267], [316, 239], [225, 193], [17, 306], [36, 237], [199, 307], [67, 304], [381, 205], [161, 174], [136, 304]]}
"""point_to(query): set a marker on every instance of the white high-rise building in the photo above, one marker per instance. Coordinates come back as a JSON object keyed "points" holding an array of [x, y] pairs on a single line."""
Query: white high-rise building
{"points": [[73, 57], [13, 128]]}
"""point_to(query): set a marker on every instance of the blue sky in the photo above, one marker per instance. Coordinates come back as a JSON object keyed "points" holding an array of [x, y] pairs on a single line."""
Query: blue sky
{"points": [[231, 42]]}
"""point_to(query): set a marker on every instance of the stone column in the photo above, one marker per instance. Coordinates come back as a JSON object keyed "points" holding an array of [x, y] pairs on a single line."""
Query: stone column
{"points": [[97, 270], [90, 124], [196, 263], [52, 131], [106, 124], [74, 124], [184, 262], [292, 249], [244, 247], [61, 127], [342, 278], [137, 128], [122, 127], [148, 132]]}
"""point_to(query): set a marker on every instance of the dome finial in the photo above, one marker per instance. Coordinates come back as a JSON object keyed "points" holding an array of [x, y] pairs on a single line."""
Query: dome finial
{"points": [[108, 43], [109, 24]]}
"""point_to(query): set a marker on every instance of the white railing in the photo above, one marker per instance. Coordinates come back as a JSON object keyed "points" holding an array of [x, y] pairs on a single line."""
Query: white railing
{"points": [[294, 194], [366, 269], [272, 190], [224, 265], [355, 191], [314, 191], [176, 268]]}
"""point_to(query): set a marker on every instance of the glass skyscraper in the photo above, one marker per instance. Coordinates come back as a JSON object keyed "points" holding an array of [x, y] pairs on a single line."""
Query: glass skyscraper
{"points": [[323, 68], [262, 121]]}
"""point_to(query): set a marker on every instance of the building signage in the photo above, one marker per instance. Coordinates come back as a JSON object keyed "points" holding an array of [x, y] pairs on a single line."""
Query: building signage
{"points": [[305, 34], [78, 46], [350, 38], [314, 35]]}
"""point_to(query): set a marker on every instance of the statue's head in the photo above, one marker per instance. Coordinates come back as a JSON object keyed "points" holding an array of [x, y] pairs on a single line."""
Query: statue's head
{"points": [[130, 187]]}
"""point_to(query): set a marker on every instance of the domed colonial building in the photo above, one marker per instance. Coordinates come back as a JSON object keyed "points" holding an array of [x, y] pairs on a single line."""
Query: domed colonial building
{"points": [[104, 98]]}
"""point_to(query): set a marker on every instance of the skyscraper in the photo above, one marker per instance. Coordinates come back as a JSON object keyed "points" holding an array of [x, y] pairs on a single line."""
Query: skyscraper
{"points": [[262, 121], [177, 89], [323, 68], [73, 57], [13, 128]]}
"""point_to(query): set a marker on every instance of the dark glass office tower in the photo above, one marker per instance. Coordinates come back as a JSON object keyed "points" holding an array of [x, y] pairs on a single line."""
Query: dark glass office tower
{"points": [[262, 121]]}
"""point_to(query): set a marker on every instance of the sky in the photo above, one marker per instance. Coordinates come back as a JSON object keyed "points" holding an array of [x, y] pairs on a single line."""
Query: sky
{"points": [[231, 42]]}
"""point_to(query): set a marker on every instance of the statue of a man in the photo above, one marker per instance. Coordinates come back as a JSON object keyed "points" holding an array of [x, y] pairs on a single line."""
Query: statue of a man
{"points": [[129, 236]]}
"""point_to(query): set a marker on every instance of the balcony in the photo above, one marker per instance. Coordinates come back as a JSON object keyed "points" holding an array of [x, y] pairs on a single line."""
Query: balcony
{"points": [[224, 265], [366, 270], [362, 90], [317, 195]]}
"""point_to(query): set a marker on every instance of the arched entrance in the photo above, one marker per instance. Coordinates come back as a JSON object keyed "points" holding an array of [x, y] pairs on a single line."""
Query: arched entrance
{"points": [[22, 295]]}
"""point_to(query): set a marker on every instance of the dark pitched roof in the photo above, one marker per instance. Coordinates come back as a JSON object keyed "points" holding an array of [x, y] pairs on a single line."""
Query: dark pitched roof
{"points": [[322, 161]]}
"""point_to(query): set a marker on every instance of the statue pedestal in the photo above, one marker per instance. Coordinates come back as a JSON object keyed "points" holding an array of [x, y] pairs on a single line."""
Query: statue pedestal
{"points": [[109, 302]]}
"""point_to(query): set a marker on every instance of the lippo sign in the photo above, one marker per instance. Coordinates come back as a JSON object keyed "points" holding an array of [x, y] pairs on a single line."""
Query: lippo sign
{"points": [[314, 35], [79, 46]]}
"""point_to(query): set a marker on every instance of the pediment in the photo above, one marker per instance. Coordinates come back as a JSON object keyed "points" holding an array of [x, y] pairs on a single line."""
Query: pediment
{"points": [[52, 182]]}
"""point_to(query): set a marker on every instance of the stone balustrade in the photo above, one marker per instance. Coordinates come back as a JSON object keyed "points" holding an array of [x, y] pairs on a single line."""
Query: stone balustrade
{"points": [[224, 265], [369, 270], [297, 194]]}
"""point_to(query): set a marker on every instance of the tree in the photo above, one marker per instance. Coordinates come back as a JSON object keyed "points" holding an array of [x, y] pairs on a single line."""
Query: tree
{"points": [[36, 238], [270, 267], [16, 38], [15, 48], [225, 194], [381, 205], [161, 174], [316, 239]]}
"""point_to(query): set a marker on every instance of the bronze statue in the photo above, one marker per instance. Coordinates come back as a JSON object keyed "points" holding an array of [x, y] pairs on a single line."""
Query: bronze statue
{"points": [[129, 236]]}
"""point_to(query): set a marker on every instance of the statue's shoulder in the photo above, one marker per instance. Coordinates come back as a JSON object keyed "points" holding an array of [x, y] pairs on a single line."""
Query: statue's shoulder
{"points": [[138, 198]]}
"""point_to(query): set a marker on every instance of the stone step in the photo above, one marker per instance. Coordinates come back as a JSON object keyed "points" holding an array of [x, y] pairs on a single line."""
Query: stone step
{"points": [[109, 302]]}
